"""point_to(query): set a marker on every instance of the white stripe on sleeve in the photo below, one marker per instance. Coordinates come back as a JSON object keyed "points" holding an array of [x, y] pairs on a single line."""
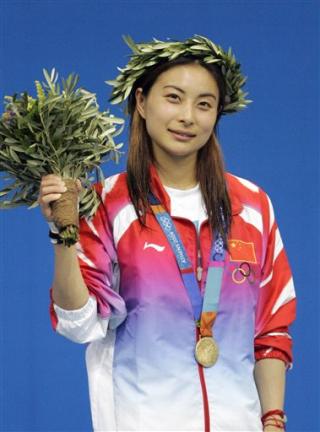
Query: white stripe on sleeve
{"points": [[266, 280], [271, 214], [286, 295], [253, 217], [278, 245], [122, 221], [108, 185], [83, 257]]}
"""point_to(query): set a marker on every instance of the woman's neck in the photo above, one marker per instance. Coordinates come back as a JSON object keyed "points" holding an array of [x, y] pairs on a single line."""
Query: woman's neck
{"points": [[178, 174]]}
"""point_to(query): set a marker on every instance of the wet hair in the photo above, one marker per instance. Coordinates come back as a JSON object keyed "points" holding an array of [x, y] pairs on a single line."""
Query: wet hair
{"points": [[210, 166]]}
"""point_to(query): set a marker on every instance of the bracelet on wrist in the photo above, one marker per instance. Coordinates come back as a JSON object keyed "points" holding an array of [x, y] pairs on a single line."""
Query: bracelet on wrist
{"points": [[53, 227], [55, 238], [275, 418]]}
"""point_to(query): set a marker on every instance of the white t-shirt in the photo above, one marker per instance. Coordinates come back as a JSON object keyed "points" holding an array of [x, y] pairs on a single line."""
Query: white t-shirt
{"points": [[188, 204]]}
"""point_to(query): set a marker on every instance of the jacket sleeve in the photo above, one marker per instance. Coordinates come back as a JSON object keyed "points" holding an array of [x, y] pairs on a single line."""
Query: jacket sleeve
{"points": [[99, 268], [276, 306]]}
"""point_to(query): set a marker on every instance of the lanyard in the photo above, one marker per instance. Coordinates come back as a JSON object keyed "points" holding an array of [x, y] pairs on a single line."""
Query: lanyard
{"points": [[204, 309]]}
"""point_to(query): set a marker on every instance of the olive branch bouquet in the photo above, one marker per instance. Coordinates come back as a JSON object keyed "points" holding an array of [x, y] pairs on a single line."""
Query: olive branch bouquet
{"points": [[61, 132]]}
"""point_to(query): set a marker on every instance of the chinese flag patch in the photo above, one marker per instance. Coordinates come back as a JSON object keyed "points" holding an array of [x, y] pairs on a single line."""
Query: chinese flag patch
{"points": [[242, 251]]}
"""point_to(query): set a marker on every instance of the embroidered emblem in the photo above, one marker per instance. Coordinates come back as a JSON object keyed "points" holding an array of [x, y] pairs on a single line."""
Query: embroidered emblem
{"points": [[242, 273], [158, 248], [242, 251]]}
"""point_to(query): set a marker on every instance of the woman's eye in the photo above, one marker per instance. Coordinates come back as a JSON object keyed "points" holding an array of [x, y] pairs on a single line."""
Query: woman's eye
{"points": [[205, 104], [173, 96]]}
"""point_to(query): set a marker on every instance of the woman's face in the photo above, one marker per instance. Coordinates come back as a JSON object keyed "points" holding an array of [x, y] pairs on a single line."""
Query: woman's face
{"points": [[180, 111]]}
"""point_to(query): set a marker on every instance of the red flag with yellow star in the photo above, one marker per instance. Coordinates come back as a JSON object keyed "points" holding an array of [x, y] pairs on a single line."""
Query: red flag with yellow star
{"points": [[242, 251]]}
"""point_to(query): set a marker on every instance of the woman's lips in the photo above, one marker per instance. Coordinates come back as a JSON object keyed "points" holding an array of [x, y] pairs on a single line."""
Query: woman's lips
{"points": [[180, 136]]}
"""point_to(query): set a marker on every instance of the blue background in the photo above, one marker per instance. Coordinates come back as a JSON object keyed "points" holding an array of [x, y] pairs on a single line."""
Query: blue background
{"points": [[274, 143]]}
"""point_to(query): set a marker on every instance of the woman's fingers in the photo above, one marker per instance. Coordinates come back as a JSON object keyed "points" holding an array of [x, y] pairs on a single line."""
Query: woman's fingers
{"points": [[51, 177], [52, 187], [79, 185], [47, 199], [51, 180], [50, 192]]}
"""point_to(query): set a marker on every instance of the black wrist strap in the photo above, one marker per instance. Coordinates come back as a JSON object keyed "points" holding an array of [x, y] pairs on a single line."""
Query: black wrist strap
{"points": [[55, 238]]}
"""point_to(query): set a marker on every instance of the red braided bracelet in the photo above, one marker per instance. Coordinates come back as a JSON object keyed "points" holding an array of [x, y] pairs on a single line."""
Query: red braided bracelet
{"points": [[269, 419], [273, 412]]}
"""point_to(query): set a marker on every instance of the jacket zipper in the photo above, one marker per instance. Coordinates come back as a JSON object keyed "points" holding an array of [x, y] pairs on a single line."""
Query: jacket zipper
{"points": [[206, 413], [199, 259]]}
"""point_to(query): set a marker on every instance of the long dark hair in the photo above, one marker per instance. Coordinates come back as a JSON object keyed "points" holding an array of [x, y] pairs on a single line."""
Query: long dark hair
{"points": [[210, 166]]}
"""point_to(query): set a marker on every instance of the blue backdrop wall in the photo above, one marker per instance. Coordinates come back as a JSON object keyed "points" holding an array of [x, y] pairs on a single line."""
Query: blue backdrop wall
{"points": [[43, 385]]}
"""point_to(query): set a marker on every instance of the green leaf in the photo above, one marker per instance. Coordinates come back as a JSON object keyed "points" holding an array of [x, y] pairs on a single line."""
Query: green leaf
{"points": [[14, 155], [5, 191], [33, 205], [11, 140]]}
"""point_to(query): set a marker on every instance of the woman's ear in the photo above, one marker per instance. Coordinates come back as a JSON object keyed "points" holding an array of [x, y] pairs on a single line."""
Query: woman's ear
{"points": [[140, 102]]}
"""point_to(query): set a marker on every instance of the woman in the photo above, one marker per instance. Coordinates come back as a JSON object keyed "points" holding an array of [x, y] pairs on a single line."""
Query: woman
{"points": [[180, 283]]}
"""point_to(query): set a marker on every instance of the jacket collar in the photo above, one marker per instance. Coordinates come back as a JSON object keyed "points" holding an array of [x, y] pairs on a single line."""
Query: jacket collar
{"points": [[236, 204], [158, 189], [160, 192]]}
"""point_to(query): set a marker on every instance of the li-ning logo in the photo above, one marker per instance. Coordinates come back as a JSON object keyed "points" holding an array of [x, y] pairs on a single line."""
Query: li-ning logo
{"points": [[158, 248]]}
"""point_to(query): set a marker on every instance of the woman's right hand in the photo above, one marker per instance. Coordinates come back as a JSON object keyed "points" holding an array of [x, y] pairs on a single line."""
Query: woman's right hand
{"points": [[52, 187]]}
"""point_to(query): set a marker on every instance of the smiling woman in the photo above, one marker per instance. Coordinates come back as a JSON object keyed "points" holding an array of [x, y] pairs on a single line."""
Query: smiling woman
{"points": [[179, 283], [176, 99], [179, 119]]}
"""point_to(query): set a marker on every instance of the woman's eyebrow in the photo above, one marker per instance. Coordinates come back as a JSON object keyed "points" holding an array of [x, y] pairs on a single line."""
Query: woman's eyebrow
{"points": [[200, 95]]}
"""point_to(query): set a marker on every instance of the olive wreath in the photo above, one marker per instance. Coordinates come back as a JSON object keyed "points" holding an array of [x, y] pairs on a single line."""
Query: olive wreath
{"points": [[146, 55]]}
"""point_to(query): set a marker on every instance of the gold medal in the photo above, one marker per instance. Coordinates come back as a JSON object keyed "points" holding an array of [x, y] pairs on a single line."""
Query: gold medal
{"points": [[206, 351]]}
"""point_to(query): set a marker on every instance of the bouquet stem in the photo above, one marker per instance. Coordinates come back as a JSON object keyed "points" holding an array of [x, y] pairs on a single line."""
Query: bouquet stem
{"points": [[66, 215]]}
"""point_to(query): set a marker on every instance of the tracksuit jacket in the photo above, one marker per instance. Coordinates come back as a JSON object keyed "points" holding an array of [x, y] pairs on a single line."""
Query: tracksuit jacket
{"points": [[139, 324]]}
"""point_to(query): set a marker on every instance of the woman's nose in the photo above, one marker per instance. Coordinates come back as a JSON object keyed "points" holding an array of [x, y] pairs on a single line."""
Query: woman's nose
{"points": [[186, 114]]}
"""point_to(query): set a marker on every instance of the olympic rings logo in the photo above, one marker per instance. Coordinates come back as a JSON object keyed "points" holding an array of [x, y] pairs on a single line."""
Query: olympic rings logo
{"points": [[242, 273], [166, 223], [218, 256]]}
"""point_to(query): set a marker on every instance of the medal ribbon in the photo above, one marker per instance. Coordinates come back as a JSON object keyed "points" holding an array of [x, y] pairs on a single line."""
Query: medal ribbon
{"points": [[204, 309]]}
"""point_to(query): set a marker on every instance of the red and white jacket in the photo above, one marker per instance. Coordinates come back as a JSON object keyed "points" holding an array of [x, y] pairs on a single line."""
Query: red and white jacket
{"points": [[139, 322]]}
